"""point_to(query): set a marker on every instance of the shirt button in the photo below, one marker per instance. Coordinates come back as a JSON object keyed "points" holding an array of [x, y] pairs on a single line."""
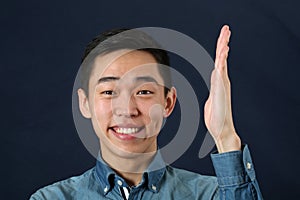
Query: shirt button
{"points": [[119, 183], [153, 187], [249, 165], [105, 189]]}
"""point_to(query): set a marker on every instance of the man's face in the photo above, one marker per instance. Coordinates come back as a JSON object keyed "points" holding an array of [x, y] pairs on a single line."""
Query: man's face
{"points": [[126, 102]]}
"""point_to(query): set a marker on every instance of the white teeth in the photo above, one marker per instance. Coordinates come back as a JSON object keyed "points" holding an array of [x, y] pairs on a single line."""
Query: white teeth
{"points": [[126, 130]]}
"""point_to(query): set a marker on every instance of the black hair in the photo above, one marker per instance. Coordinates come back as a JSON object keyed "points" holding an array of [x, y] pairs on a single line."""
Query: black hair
{"points": [[124, 38]]}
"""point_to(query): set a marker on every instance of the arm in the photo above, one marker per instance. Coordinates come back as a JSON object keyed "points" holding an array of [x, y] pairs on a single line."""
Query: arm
{"points": [[233, 163]]}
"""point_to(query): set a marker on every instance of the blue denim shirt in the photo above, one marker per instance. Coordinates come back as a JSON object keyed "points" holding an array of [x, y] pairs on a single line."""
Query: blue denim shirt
{"points": [[235, 180]]}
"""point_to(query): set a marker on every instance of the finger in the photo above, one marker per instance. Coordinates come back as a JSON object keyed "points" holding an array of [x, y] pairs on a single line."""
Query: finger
{"points": [[223, 41], [221, 59], [222, 51], [222, 35]]}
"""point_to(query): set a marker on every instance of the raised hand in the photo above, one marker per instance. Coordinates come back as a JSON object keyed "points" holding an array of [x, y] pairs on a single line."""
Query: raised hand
{"points": [[218, 113]]}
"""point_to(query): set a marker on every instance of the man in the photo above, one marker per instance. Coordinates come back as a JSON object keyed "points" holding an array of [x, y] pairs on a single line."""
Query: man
{"points": [[126, 93]]}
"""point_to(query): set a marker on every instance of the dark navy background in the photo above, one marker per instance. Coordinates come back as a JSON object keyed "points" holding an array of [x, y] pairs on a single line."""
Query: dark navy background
{"points": [[41, 47]]}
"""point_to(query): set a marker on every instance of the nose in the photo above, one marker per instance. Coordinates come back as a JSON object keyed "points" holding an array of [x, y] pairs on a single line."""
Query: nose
{"points": [[125, 105]]}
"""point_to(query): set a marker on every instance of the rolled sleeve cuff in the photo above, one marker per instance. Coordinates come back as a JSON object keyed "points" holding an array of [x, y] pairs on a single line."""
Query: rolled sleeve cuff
{"points": [[233, 168]]}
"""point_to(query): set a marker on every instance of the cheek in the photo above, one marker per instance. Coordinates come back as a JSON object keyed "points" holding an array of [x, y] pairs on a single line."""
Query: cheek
{"points": [[156, 113], [154, 119], [102, 109], [152, 112]]}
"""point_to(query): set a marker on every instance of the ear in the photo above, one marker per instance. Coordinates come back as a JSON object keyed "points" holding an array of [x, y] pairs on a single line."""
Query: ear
{"points": [[170, 102], [83, 103]]}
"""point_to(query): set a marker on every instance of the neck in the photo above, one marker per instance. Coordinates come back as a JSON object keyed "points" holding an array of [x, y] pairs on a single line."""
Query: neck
{"points": [[130, 167]]}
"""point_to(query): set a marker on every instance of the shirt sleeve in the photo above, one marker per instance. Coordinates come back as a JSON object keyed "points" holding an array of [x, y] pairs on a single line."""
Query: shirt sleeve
{"points": [[236, 175]]}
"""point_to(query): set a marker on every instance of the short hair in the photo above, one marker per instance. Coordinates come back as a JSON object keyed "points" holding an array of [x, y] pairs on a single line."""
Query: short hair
{"points": [[118, 39]]}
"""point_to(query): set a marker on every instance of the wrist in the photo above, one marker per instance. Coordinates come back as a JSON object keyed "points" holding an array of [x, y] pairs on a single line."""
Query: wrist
{"points": [[226, 143]]}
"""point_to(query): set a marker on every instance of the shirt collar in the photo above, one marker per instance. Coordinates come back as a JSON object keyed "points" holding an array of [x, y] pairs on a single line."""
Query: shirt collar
{"points": [[152, 176]]}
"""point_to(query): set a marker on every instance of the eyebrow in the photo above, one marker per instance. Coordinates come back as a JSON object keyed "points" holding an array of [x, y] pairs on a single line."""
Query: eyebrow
{"points": [[108, 79], [146, 79], [137, 79]]}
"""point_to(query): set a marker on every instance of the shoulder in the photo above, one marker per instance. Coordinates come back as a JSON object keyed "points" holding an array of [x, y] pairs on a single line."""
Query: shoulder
{"points": [[189, 176], [190, 183], [66, 189]]}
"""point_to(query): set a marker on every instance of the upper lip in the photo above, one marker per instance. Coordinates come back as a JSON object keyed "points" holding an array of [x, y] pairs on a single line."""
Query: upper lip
{"points": [[139, 127], [126, 126]]}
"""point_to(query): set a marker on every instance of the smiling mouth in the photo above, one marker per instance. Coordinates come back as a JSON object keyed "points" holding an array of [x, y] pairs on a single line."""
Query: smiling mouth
{"points": [[126, 131]]}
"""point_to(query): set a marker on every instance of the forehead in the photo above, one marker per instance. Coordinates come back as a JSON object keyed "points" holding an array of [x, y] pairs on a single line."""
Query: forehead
{"points": [[125, 63]]}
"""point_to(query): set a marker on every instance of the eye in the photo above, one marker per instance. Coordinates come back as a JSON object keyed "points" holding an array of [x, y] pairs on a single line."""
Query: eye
{"points": [[109, 92], [144, 92]]}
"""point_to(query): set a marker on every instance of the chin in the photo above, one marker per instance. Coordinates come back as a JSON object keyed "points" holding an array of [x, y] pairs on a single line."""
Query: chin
{"points": [[130, 152]]}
